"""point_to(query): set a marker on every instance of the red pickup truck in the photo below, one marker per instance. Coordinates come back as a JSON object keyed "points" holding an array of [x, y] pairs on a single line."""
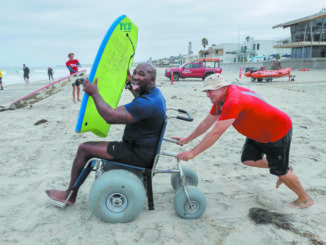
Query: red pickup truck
{"points": [[191, 70]]}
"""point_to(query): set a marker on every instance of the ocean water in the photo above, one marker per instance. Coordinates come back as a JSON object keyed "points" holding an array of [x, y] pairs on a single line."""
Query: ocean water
{"points": [[15, 75]]}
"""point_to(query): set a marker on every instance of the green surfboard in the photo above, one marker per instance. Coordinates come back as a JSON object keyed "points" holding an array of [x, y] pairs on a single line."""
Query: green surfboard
{"points": [[113, 58]]}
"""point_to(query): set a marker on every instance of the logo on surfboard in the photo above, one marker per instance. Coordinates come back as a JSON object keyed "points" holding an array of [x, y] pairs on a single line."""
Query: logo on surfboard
{"points": [[125, 26]]}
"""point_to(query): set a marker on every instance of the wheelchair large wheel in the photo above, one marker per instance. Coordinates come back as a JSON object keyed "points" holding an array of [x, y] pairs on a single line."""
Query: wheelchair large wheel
{"points": [[190, 175], [117, 196], [188, 210]]}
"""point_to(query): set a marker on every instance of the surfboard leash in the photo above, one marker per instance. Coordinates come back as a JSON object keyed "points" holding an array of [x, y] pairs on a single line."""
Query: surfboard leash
{"points": [[133, 48], [128, 85]]}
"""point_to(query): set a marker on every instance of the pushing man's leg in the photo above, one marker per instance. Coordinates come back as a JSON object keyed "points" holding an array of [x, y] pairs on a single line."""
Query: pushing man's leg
{"points": [[293, 183], [262, 163]]}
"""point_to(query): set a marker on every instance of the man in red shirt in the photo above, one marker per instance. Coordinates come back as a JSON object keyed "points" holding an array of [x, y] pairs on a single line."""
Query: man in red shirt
{"points": [[268, 131], [72, 65]]}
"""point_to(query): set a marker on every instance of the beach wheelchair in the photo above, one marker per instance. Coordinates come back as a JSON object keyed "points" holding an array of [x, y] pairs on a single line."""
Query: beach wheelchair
{"points": [[118, 194]]}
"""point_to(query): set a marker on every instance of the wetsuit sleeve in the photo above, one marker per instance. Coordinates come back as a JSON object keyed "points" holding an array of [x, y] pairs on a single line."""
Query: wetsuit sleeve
{"points": [[140, 108], [70, 69]]}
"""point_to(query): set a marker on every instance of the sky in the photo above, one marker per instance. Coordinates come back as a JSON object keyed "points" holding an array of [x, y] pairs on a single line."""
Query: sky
{"points": [[43, 32]]}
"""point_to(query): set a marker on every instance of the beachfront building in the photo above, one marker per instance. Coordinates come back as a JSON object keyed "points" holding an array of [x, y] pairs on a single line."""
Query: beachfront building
{"points": [[250, 50], [308, 36], [223, 51]]}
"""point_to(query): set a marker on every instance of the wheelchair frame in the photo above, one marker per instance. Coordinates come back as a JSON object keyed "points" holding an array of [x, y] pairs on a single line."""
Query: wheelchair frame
{"points": [[97, 164]]}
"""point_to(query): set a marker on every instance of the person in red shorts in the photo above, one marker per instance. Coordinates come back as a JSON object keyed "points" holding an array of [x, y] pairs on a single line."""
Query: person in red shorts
{"points": [[268, 131], [72, 65]]}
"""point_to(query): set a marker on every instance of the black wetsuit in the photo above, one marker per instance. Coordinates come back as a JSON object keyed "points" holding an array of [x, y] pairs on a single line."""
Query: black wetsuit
{"points": [[50, 73], [26, 72]]}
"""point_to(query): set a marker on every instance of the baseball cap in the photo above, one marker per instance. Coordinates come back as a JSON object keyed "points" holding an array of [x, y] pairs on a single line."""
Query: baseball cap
{"points": [[214, 82]]}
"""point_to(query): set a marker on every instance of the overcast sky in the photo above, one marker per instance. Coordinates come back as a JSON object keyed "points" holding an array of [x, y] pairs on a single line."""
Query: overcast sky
{"points": [[43, 32]]}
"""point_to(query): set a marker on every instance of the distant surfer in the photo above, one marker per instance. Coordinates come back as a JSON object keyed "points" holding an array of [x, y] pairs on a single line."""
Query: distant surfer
{"points": [[26, 74], [268, 131], [1, 80], [50, 73], [72, 65], [144, 117]]}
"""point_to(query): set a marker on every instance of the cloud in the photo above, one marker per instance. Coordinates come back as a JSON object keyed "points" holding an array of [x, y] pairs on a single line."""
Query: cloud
{"points": [[36, 27]]}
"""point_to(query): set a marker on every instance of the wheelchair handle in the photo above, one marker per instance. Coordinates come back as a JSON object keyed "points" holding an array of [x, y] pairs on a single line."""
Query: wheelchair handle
{"points": [[188, 118]]}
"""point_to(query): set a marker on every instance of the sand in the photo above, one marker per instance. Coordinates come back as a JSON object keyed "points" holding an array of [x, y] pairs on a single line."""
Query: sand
{"points": [[35, 158]]}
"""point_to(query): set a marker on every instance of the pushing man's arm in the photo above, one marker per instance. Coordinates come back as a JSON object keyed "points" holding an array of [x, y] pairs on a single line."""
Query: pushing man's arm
{"points": [[110, 115], [210, 138], [201, 128]]}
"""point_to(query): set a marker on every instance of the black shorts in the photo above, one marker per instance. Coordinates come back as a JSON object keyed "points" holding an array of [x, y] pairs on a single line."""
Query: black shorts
{"points": [[127, 153], [0, 79], [76, 83], [26, 76], [277, 153]]}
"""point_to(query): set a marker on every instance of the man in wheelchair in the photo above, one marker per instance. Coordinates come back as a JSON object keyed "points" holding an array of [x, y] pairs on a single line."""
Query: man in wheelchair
{"points": [[144, 117]]}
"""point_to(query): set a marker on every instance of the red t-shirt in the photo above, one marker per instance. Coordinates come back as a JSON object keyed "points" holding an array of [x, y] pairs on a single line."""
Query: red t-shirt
{"points": [[254, 117], [73, 64]]}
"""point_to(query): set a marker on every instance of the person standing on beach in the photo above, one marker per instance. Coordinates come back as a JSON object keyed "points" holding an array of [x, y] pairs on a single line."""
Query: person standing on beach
{"points": [[26, 74], [72, 65], [144, 117], [268, 131], [1, 80], [50, 73]]}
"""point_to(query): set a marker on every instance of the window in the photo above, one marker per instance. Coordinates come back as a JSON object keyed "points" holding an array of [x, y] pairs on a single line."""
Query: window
{"points": [[258, 45], [308, 32], [306, 53], [323, 33], [319, 51], [323, 51], [187, 66], [254, 46], [316, 27], [196, 66]]}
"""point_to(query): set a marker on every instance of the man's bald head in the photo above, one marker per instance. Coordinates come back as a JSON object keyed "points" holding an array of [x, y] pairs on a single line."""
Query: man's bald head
{"points": [[149, 69], [143, 78]]}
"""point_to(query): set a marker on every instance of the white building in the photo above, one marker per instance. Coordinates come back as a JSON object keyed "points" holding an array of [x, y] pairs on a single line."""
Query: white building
{"points": [[250, 50]]}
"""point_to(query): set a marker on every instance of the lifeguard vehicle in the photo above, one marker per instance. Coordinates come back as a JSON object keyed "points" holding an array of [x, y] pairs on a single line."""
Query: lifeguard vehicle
{"points": [[198, 69]]}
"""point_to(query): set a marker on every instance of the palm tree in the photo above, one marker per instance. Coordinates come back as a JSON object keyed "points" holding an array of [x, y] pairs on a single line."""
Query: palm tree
{"points": [[204, 42], [247, 38]]}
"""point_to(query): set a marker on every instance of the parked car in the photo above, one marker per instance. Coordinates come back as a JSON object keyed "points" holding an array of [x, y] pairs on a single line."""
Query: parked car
{"points": [[191, 70]]}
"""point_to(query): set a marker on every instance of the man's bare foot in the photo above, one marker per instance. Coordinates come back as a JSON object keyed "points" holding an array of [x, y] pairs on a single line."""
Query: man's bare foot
{"points": [[279, 181], [78, 100], [60, 196], [300, 204]]}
